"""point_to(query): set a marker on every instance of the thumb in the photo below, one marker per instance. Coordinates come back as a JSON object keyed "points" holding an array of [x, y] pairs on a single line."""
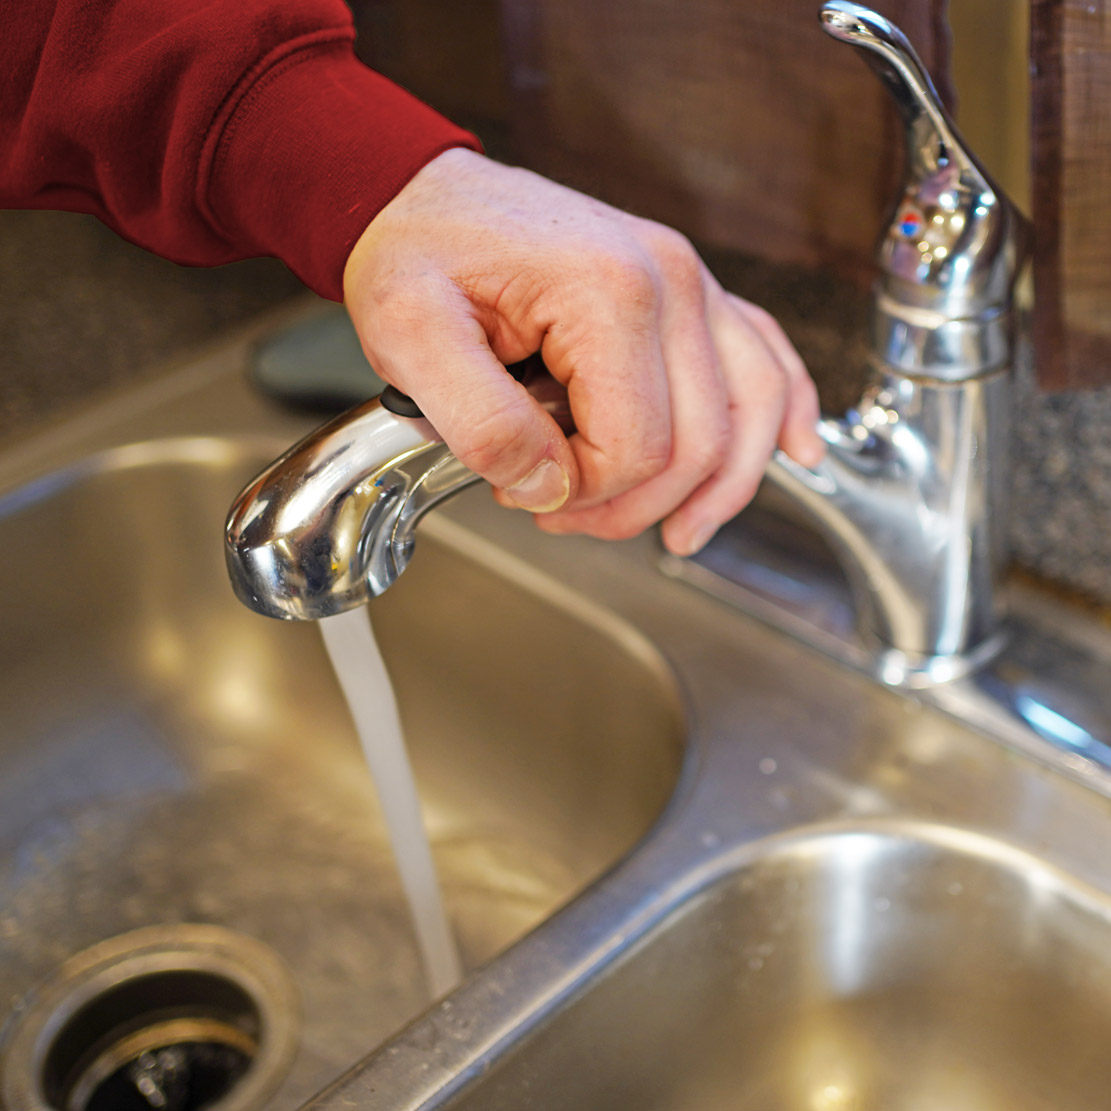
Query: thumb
{"points": [[487, 418]]}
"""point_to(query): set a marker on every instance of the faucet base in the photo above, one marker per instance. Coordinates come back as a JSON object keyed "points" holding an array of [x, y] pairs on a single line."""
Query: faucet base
{"points": [[1039, 686]]}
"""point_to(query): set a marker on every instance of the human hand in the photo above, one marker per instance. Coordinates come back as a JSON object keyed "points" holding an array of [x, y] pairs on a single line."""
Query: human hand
{"points": [[679, 390]]}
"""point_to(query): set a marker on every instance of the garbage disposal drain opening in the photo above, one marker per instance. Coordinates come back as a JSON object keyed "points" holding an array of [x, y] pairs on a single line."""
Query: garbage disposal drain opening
{"points": [[182, 1017], [175, 1040]]}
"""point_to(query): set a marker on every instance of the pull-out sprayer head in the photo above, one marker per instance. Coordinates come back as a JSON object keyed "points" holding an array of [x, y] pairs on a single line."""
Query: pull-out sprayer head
{"points": [[331, 523]]}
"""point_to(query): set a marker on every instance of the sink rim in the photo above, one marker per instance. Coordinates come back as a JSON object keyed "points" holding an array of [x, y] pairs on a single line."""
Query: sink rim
{"points": [[431, 1067]]}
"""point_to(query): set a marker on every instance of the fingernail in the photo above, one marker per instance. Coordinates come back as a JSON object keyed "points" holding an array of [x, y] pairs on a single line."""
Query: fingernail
{"points": [[700, 539], [812, 454], [543, 490]]}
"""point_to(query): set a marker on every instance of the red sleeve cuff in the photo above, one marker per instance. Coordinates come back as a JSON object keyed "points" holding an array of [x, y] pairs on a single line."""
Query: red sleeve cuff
{"points": [[310, 148]]}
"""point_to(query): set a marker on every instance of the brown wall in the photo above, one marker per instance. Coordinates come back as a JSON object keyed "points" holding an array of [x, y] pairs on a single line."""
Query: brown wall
{"points": [[743, 124]]}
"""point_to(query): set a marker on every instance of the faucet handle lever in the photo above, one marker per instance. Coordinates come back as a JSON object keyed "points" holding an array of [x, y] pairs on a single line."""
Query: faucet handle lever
{"points": [[890, 55], [954, 244]]}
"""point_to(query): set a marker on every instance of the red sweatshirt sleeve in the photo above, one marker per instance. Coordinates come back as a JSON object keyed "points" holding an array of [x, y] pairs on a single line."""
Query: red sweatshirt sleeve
{"points": [[209, 130]]}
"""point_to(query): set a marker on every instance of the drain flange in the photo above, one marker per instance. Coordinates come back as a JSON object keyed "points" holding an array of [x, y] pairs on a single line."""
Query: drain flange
{"points": [[177, 1018]]}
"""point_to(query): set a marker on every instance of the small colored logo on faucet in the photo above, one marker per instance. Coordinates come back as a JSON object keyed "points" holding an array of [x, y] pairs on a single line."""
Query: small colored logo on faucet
{"points": [[910, 223]]}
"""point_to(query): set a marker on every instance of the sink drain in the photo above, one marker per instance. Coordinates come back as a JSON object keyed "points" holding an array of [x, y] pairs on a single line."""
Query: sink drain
{"points": [[171, 1018]]}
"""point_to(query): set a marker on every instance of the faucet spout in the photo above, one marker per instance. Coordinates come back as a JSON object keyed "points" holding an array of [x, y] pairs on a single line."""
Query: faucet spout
{"points": [[332, 522]]}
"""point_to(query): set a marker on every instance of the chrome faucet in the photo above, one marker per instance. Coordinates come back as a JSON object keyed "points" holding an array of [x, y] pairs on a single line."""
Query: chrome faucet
{"points": [[912, 494], [330, 524]]}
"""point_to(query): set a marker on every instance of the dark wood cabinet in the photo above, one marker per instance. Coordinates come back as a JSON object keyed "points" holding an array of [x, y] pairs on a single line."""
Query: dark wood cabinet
{"points": [[1070, 47]]}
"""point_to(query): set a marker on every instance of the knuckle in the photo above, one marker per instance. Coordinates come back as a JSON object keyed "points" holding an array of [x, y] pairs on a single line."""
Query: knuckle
{"points": [[758, 316], [778, 374], [771, 332], [629, 277], [710, 451], [772, 382], [525, 294], [676, 254]]}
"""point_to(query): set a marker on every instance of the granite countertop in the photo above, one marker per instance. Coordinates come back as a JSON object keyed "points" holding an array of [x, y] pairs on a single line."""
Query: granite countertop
{"points": [[81, 311]]}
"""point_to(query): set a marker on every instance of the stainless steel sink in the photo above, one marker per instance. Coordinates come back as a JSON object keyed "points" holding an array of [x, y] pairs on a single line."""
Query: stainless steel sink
{"points": [[881, 966], [693, 863], [168, 757]]}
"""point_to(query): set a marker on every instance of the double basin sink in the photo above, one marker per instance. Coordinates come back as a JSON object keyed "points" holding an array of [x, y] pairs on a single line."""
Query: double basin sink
{"points": [[690, 863]]}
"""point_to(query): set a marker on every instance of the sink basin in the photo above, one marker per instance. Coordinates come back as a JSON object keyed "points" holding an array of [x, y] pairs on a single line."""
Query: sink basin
{"points": [[899, 968], [168, 757]]}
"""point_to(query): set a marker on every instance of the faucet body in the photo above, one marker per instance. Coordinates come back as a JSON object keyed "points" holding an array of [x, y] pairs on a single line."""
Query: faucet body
{"points": [[912, 495]]}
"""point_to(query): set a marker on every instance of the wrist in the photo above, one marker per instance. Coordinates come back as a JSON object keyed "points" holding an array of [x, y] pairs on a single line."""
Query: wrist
{"points": [[311, 152]]}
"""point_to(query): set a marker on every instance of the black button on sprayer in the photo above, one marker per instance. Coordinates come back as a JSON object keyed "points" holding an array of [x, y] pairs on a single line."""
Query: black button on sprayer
{"points": [[404, 406]]}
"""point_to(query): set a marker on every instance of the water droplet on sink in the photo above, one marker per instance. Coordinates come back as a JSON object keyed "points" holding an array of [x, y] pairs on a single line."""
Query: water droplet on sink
{"points": [[756, 963], [882, 903], [768, 766], [955, 888]]}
